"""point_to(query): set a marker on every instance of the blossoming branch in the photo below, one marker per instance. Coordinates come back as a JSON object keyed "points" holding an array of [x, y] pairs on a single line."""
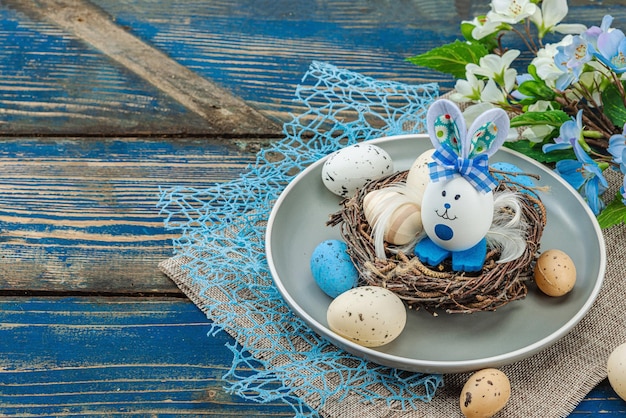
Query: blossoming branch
{"points": [[568, 102]]}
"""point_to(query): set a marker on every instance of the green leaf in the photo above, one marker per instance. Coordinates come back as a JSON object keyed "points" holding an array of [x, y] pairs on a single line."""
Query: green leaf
{"points": [[613, 105], [549, 117], [613, 214], [537, 89], [490, 42], [466, 31], [534, 151], [451, 58]]}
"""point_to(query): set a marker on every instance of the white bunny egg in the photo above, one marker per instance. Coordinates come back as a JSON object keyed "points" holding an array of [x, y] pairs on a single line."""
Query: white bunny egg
{"points": [[455, 215]]}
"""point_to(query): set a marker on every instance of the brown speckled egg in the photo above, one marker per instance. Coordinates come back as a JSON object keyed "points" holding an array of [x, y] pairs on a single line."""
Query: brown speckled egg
{"points": [[555, 273], [370, 316], [485, 393]]}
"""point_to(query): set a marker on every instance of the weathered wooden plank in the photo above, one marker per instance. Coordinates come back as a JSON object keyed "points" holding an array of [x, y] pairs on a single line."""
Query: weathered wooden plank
{"points": [[81, 215], [261, 49], [225, 113], [258, 50], [601, 401], [84, 357], [51, 83]]}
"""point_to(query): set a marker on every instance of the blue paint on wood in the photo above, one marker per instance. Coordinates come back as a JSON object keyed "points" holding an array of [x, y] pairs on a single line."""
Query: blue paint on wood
{"points": [[51, 82], [89, 356], [81, 214]]}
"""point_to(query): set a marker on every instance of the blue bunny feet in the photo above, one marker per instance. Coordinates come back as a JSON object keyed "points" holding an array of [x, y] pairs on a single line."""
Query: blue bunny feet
{"points": [[470, 260]]}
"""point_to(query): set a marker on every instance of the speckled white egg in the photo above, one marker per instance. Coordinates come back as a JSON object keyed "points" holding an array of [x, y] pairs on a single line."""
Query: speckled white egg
{"points": [[350, 168], [370, 316], [485, 393], [418, 176], [616, 370]]}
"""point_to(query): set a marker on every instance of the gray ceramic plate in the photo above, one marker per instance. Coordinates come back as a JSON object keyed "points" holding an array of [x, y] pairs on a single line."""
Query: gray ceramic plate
{"points": [[444, 343]]}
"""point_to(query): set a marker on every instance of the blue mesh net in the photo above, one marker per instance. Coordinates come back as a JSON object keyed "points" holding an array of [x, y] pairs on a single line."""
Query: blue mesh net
{"points": [[222, 244]]}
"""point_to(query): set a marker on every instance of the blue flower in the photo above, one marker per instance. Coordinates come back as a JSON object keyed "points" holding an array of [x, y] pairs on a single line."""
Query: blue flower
{"points": [[571, 59], [617, 148], [570, 132], [610, 46], [591, 35], [585, 176], [623, 192]]}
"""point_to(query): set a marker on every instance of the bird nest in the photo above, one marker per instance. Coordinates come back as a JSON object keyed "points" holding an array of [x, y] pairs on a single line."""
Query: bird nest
{"points": [[436, 288]]}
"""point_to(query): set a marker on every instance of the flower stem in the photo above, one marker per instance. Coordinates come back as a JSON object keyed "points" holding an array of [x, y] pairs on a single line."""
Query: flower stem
{"points": [[532, 48]]}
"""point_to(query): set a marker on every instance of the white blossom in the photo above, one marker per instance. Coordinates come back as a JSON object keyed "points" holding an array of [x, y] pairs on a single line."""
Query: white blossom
{"points": [[493, 94], [549, 17], [496, 68], [537, 133], [483, 27], [469, 89], [544, 63], [511, 11]]}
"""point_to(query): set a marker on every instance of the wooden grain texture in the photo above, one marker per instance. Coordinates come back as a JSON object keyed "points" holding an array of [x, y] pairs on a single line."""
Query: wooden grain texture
{"points": [[261, 49], [133, 356], [100, 357], [225, 114], [258, 50], [53, 83], [81, 215], [78, 215]]}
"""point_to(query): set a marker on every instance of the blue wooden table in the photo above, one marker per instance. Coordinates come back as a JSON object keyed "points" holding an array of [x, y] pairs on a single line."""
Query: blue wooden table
{"points": [[104, 101]]}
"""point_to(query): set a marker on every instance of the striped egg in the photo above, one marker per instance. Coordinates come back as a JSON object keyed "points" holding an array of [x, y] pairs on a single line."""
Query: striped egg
{"points": [[404, 224], [375, 202], [401, 218]]}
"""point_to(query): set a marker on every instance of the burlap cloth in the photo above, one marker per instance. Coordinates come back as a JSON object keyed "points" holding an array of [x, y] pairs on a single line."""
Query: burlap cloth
{"points": [[548, 384]]}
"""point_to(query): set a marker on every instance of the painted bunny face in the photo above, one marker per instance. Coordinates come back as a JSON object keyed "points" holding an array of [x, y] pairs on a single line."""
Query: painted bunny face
{"points": [[455, 216], [457, 208]]}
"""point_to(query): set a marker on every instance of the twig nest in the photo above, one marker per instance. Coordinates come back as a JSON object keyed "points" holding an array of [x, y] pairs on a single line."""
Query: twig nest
{"points": [[439, 287]]}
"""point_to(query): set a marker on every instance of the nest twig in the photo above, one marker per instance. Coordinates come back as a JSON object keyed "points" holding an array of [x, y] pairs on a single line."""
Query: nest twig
{"points": [[439, 287]]}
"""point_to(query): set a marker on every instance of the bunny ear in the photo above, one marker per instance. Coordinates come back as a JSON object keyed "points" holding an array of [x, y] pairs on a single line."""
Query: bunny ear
{"points": [[487, 133], [446, 125]]}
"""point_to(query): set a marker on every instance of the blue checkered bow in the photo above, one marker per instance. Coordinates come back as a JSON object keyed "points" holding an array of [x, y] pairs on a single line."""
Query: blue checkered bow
{"points": [[447, 164]]}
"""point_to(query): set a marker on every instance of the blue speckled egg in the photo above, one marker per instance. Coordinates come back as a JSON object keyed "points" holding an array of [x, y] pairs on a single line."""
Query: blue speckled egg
{"points": [[512, 168], [332, 268]]}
